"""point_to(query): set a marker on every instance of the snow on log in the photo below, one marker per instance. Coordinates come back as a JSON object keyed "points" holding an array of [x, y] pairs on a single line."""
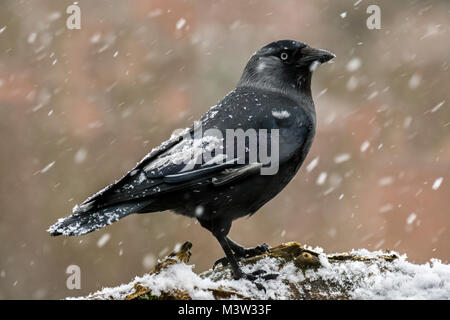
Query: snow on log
{"points": [[303, 273]]}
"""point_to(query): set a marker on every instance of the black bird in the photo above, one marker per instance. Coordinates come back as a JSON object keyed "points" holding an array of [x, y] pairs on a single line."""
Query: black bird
{"points": [[272, 96]]}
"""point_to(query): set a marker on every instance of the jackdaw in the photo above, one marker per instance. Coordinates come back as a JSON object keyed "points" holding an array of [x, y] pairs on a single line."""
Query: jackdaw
{"points": [[221, 169]]}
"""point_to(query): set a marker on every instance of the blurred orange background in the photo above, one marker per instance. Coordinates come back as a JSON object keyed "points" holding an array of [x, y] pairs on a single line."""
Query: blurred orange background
{"points": [[79, 108]]}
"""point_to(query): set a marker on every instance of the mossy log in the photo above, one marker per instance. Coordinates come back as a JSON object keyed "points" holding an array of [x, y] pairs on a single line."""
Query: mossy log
{"points": [[303, 274]]}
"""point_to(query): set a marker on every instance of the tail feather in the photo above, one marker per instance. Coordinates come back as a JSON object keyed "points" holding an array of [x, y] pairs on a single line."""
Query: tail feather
{"points": [[81, 223]]}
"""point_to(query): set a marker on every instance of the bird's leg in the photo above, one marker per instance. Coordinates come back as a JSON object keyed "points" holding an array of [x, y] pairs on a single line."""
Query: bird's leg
{"points": [[238, 274], [230, 257], [242, 252], [220, 230]]}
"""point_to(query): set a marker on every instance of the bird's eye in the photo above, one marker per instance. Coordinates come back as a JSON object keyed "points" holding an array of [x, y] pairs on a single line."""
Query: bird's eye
{"points": [[284, 56]]}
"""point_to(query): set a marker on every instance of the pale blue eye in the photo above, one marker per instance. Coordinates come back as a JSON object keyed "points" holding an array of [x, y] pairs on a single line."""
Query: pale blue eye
{"points": [[284, 56]]}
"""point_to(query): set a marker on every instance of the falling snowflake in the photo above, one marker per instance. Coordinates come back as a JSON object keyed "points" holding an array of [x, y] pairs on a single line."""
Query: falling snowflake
{"points": [[437, 183]]}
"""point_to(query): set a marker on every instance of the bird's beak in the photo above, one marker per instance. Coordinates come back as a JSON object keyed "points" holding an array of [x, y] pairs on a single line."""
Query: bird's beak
{"points": [[312, 54]]}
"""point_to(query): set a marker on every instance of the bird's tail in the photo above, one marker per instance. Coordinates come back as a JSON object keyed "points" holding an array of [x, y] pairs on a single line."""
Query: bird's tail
{"points": [[81, 223]]}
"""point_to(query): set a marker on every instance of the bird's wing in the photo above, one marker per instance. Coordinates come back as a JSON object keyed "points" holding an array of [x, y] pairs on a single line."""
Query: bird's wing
{"points": [[120, 184], [117, 204], [234, 174], [175, 165]]}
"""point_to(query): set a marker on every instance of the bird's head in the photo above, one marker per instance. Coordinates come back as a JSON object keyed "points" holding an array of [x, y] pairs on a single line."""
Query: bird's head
{"points": [[284, 65]]}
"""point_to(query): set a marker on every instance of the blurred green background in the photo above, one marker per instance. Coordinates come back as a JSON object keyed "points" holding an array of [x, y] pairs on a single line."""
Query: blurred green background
{"points": [[79, 108]]}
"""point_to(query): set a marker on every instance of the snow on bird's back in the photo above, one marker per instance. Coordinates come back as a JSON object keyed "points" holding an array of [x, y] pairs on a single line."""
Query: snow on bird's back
{"points": [[281, 114]]}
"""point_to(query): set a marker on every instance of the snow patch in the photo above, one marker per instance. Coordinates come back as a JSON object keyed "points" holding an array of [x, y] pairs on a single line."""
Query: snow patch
{"points": [[437, 183], [381, 279], [385, 208], [438, 106], [343, 157], [321, 178], [103, 240], [180, 23], [47, 167], [353, 65], [414, 81], [385, 181], [310, 167], [283, 114], [80, 156], [149, 261], [411, 218], [364, 146]]}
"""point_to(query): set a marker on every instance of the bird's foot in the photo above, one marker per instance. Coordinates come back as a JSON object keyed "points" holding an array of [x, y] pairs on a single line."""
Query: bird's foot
{"points": [[251, 252], [244, 253], [223, 261], [259, 274], [255, 275]]}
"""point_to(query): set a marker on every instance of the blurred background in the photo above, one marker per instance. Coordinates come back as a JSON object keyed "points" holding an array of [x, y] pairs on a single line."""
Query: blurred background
{"points": [[79, 108]]}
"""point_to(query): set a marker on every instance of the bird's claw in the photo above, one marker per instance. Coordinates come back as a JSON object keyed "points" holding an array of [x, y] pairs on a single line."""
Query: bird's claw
{"points": [[260, 249], [246, 253], [264, 275], [223, 261], [258, 274]]}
